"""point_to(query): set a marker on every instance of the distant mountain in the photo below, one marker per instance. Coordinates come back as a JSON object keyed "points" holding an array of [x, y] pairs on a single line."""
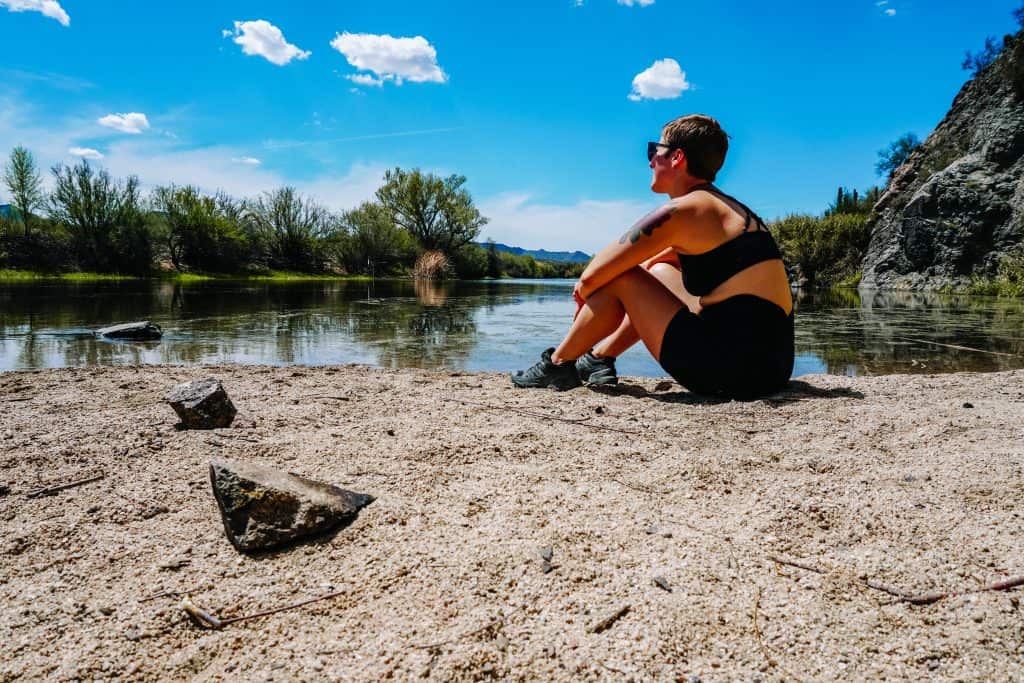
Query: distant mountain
{"points": [[542, 254]]}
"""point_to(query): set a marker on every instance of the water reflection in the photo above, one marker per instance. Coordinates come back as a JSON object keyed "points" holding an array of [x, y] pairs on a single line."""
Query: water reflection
{"points": [[461, 325]]}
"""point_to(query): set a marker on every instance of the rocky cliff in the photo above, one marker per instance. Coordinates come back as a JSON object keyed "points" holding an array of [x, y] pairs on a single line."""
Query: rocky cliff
{"points": [[957, 204]]}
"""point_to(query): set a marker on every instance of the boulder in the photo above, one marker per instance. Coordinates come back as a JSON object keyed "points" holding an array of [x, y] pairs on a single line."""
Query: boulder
{"points": [[264, 508], [956, 206], [140, 331], [202, 404]]}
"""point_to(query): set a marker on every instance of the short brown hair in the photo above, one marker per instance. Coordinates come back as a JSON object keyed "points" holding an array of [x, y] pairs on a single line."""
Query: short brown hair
{"points": [[702, 140]]}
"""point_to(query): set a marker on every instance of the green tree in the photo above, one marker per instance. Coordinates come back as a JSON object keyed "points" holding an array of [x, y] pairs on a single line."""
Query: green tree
{"points": [[292, 229], [851, 202], [978, 61], [201, 232], [103, 217], [372, 243], [892, 157], [493, 260], [437, 211], [24, 183]]}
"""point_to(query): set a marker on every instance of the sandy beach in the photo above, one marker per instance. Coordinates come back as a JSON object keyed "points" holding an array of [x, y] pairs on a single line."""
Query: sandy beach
{"points": [[674, 526]]}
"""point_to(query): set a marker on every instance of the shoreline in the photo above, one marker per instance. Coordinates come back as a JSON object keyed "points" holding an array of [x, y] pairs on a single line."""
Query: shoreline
{"points": [[912, 481]]}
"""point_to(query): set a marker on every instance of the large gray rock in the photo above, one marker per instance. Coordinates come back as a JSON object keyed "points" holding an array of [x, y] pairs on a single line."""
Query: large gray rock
{"points": [[265, 508], [202, 404], [140, 331], [957, 205]]}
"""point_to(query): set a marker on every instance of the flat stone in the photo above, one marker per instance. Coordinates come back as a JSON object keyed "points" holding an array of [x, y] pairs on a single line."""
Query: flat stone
{"points": [[546, 553], [265, 508], [202, 404], [140, 331]]}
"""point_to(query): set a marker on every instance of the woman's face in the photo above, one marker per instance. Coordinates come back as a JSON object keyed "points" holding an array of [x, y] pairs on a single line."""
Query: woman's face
{"points": [[661, 165]]}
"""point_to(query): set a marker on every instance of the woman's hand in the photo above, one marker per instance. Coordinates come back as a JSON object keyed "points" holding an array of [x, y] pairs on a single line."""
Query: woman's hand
{"points": [[578, 298]]}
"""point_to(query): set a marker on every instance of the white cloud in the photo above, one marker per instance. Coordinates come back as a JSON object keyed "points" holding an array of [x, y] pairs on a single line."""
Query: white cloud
{"points": [[890, 12], [636, 3], [663, 80], [389, 58], [85, 153], [249, 161], [587, 225], [48, 8], [365, 79], [132, 122], [262, 38], [226, 33]]}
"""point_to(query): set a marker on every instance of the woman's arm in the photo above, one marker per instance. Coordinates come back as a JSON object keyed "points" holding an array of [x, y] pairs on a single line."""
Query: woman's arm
{"points": [[652, 235]]}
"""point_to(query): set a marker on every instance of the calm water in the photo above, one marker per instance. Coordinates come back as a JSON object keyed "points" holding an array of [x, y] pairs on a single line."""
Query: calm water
{"points": [[495, 326]]}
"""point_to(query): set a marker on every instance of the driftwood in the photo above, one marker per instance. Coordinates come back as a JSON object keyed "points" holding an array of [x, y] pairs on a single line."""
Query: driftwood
{"points": [[212, 622], [56, 488], [921, 599], [581, 421]]}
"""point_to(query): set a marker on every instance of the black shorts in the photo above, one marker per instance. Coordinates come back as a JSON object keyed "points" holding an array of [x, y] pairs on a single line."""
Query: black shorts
{"points": [[740, 348]]}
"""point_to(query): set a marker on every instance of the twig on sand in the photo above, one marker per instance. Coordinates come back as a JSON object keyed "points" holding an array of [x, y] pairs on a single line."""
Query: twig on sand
{"points": [[483, 629], [918, 599], [581, 421], [757, 629], [167, 594], [212, 622], [610, 620], [959, 348], [640, 487], [333, 398], [56, 488]]}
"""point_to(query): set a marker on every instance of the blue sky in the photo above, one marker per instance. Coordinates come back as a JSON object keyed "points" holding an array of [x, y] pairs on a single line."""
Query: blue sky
{"points": [[545, 105]]}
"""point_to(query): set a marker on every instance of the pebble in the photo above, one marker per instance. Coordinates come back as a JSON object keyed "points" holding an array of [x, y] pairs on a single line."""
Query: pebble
{"points": [[652, 529], [4, 489], [501, 642], [391, 432], [662, 583], [968, 405], [546, 553], [132, 634]]}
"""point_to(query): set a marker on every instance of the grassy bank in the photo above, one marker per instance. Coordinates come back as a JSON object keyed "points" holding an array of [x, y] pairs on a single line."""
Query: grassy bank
{"points": [[10, 275]]}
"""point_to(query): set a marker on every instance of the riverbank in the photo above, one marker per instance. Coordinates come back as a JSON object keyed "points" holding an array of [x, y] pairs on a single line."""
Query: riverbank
{"points": [[7, 275], [910, 481]]}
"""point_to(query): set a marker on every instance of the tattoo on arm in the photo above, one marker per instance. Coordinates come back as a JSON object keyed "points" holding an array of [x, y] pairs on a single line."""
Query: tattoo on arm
{"points": [[647, 225]]}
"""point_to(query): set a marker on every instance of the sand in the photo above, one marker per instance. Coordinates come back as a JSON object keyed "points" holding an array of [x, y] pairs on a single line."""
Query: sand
{"points": [[913, 482]]}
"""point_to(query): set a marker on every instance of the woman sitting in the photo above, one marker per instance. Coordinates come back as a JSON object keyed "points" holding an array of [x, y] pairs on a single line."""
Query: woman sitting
{"points": [[725, 327]]}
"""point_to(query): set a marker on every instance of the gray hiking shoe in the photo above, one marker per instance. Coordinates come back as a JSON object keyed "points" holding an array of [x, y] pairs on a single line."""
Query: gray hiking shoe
{"points": [[546, 374], [594, 370]]}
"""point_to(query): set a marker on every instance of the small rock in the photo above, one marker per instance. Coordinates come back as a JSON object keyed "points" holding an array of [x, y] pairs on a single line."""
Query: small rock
{"points": [[547, 567], [663, 386], [391, 432], [140, 331], [265, 508], [132, 634], [501, 642], [151, 512], [652, 529], [4, 489], [693, 678], [662, 583], [546, 553], [968, 405], [92, 509], [599, 410], [106, 610], [202, 404], [174, 565]]}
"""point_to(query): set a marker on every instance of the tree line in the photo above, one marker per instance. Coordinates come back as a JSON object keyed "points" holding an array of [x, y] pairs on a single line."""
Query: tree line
{"points": [[90, 221]]}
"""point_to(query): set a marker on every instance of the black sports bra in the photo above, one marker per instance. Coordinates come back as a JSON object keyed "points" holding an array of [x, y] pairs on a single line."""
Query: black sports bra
{"points": [[702, 273]]}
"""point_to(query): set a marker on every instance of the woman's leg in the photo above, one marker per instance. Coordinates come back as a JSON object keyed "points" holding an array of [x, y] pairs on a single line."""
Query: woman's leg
{"points": [[637, 293], [626, 335]]}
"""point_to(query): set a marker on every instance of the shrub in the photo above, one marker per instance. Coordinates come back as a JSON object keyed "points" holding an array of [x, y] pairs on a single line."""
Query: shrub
{"points": [[470, 262], [1009, 280], [895, 154], [432, 265], [979, 61], [825, 250]]}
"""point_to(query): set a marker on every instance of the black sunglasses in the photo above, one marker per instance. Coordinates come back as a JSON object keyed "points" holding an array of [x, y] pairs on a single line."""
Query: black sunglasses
{"points": [[652, 148]]}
